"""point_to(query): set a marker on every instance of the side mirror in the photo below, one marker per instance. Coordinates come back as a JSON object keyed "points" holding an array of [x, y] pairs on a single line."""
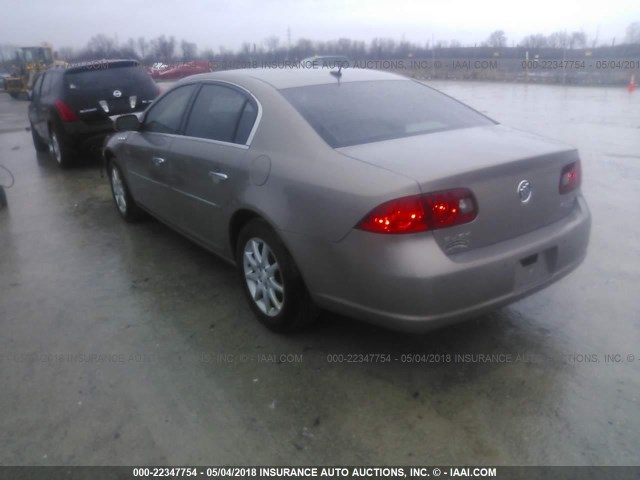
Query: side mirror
{"points": [[127, 122]]}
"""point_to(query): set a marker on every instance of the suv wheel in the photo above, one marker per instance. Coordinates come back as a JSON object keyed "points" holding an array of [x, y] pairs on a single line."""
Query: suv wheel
{"points": [[271, 280], [39, 144], [59, 149]]}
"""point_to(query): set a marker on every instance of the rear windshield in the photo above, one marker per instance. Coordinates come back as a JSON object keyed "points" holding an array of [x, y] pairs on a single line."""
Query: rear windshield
{"points": [[107, 77], [353, 113]]}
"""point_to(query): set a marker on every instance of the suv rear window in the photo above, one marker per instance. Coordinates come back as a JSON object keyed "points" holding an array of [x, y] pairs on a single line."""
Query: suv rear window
{"points": [[89, 80], [352, 113]]}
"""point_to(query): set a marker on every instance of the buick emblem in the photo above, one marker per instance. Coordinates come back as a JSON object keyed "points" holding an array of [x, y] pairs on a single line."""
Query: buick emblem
{"points": [[117, 93], [524, 191]]}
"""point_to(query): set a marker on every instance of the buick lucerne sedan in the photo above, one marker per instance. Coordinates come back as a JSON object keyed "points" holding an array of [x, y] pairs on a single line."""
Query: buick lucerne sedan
{"points": [[359, 192]]}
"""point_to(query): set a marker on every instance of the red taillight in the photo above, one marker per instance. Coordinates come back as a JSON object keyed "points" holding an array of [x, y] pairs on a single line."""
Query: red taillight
{"points": [[450, 208], [419, 213], [404, 215], [66, 114], [570, 177]]}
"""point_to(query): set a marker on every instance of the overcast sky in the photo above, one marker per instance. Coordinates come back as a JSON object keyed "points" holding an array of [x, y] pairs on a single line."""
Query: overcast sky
{"points": [[72, 23]]}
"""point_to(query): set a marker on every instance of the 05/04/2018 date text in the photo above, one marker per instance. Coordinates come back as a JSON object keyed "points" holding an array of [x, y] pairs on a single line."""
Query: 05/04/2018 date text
{"points": [[580, 64]]}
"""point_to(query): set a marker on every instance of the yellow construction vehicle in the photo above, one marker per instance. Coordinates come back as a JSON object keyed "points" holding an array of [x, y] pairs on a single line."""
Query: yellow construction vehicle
{"points": [[29, 62]]}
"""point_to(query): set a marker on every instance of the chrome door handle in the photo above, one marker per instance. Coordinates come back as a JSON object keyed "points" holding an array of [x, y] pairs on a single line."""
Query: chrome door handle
{"points": [[218, 176], [157, 161]]}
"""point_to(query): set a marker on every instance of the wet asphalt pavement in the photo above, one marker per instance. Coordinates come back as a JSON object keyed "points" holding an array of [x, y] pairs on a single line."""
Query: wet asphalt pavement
{"points": [[128, 344]]}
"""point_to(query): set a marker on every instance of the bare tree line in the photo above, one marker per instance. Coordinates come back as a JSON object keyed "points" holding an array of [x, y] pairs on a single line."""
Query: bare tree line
{"points": [[168, 49]]}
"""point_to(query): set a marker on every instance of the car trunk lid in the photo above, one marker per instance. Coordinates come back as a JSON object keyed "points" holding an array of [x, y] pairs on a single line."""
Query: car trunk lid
{"points": [[494, 162]]}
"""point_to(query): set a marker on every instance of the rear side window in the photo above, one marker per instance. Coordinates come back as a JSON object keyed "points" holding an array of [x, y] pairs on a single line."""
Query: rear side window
{"points": [[353, 113], [36, 87], [165, 116], [46, 84], [247, 119], [221, 113]]}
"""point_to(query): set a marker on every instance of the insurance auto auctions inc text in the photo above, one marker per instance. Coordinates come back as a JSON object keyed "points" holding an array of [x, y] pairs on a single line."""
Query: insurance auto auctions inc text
{"points": [[376, 472]]}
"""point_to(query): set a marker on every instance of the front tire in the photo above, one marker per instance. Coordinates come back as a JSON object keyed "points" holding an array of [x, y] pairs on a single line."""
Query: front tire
{"points": [[271, 281], [126, 206], [59, 149]]}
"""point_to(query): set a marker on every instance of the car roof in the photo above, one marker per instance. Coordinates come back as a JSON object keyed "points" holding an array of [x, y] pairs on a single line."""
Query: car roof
{"points": [[95, 65], [324, 57], [283, 77]]}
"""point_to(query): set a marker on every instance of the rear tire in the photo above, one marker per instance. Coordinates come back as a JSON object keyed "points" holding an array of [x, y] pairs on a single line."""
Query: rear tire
{"points": [[39, 144], [271, 281], [59, 149], [125, 204]]}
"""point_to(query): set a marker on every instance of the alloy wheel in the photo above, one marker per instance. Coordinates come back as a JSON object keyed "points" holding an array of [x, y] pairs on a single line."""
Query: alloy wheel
{"points": [[263, 276], [118, 190], [54, 148]]}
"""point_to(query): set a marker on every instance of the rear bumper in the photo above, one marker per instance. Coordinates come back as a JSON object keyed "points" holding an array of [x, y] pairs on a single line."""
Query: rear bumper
{"points": [[82, 134], [406, 282]]}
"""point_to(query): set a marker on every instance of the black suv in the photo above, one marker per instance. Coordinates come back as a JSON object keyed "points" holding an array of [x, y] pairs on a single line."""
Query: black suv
{"points": [[73, 107]]}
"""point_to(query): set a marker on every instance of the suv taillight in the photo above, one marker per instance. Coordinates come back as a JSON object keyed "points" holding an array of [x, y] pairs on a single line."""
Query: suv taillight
{"points": [[66, 114], [570, 177], [419, 213]]}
